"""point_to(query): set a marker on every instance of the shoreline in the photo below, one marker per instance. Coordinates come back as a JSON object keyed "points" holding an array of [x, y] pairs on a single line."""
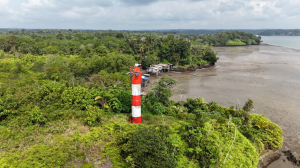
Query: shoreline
{"points": [[262, 44], [265, 73], [276, 45]]}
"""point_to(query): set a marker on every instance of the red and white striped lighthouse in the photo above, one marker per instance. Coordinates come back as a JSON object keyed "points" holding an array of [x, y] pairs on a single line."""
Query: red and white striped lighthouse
{"points": [[136, 80]]}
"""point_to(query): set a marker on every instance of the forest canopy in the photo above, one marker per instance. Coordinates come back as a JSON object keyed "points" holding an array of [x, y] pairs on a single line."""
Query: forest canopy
{"points": [[147, 48]]}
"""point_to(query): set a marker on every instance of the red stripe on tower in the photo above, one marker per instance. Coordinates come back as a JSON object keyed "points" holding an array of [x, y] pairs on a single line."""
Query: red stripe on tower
{"points": [[136, 100], [136, 80]]}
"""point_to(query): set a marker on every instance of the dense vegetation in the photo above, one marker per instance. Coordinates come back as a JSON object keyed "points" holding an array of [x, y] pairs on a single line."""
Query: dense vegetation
{"points": [[230, 38], [148, 48], [281, 32], [151, 48], [67, 103], [261, 32]]}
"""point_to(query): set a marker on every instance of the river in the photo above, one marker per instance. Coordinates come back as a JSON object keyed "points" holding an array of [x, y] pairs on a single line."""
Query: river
{"points": [[269, 75], [286, 41]]}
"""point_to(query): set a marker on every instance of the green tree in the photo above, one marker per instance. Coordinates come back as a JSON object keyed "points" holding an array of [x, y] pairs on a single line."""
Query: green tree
{"points": [[11, 42], [163, 90], [59, 36], [147, 148], [211, 57]]}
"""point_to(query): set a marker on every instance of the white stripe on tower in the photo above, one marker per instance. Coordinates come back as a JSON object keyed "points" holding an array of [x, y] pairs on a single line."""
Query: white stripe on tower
{"points": [[136, 89], [136, 111]]}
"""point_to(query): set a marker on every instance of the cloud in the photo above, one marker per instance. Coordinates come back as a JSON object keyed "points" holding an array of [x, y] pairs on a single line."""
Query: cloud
{"points": [[38, 4], [3, 2], [149, 14], [85, 3], [138, 2]]}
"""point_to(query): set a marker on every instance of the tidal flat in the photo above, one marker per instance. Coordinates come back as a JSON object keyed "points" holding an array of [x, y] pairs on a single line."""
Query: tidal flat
{"points": [[269, 75]]}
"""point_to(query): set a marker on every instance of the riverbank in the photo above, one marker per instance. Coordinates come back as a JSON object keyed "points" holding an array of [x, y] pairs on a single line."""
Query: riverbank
{"points": [[269, 75]]}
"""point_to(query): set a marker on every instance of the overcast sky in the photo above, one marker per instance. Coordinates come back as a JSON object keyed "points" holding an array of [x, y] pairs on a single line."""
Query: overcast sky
{"points": [[150, 14]]}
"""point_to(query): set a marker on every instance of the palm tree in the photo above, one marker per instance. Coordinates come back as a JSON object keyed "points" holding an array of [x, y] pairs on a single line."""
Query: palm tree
{"points": [[141, 51]]}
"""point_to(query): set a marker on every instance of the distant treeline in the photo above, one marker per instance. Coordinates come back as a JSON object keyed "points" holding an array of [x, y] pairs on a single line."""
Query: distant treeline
{"points": [[230, 38], [289, 32], [261, 32]]}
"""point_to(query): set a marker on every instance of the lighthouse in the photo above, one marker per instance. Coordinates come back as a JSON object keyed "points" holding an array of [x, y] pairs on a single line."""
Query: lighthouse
{"points": [[136, 80]]}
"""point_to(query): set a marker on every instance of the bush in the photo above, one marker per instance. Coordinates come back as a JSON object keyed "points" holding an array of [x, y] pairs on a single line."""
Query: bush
{"points": [[4, 113], [147, 148], [44, 156], [225, 111], [209, 146], [36, 116], [78, 97], [248, 105], [270, 133], [50, 94], [211, 57], [175, 111], [163, 91], [235, 42], [195, 104], [92, 115], [104, 79], [121, 102], [151, 104]]}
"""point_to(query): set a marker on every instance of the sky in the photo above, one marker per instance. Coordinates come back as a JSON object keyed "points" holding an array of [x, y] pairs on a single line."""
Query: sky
{"points": [[150, 14]]}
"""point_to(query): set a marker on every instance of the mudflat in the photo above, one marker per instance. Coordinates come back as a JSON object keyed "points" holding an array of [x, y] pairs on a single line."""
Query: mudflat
{"points": [[269, 75]]}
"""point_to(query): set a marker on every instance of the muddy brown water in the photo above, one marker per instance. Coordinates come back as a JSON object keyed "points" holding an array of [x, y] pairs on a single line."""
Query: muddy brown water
{"points": [[269, 75]]}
